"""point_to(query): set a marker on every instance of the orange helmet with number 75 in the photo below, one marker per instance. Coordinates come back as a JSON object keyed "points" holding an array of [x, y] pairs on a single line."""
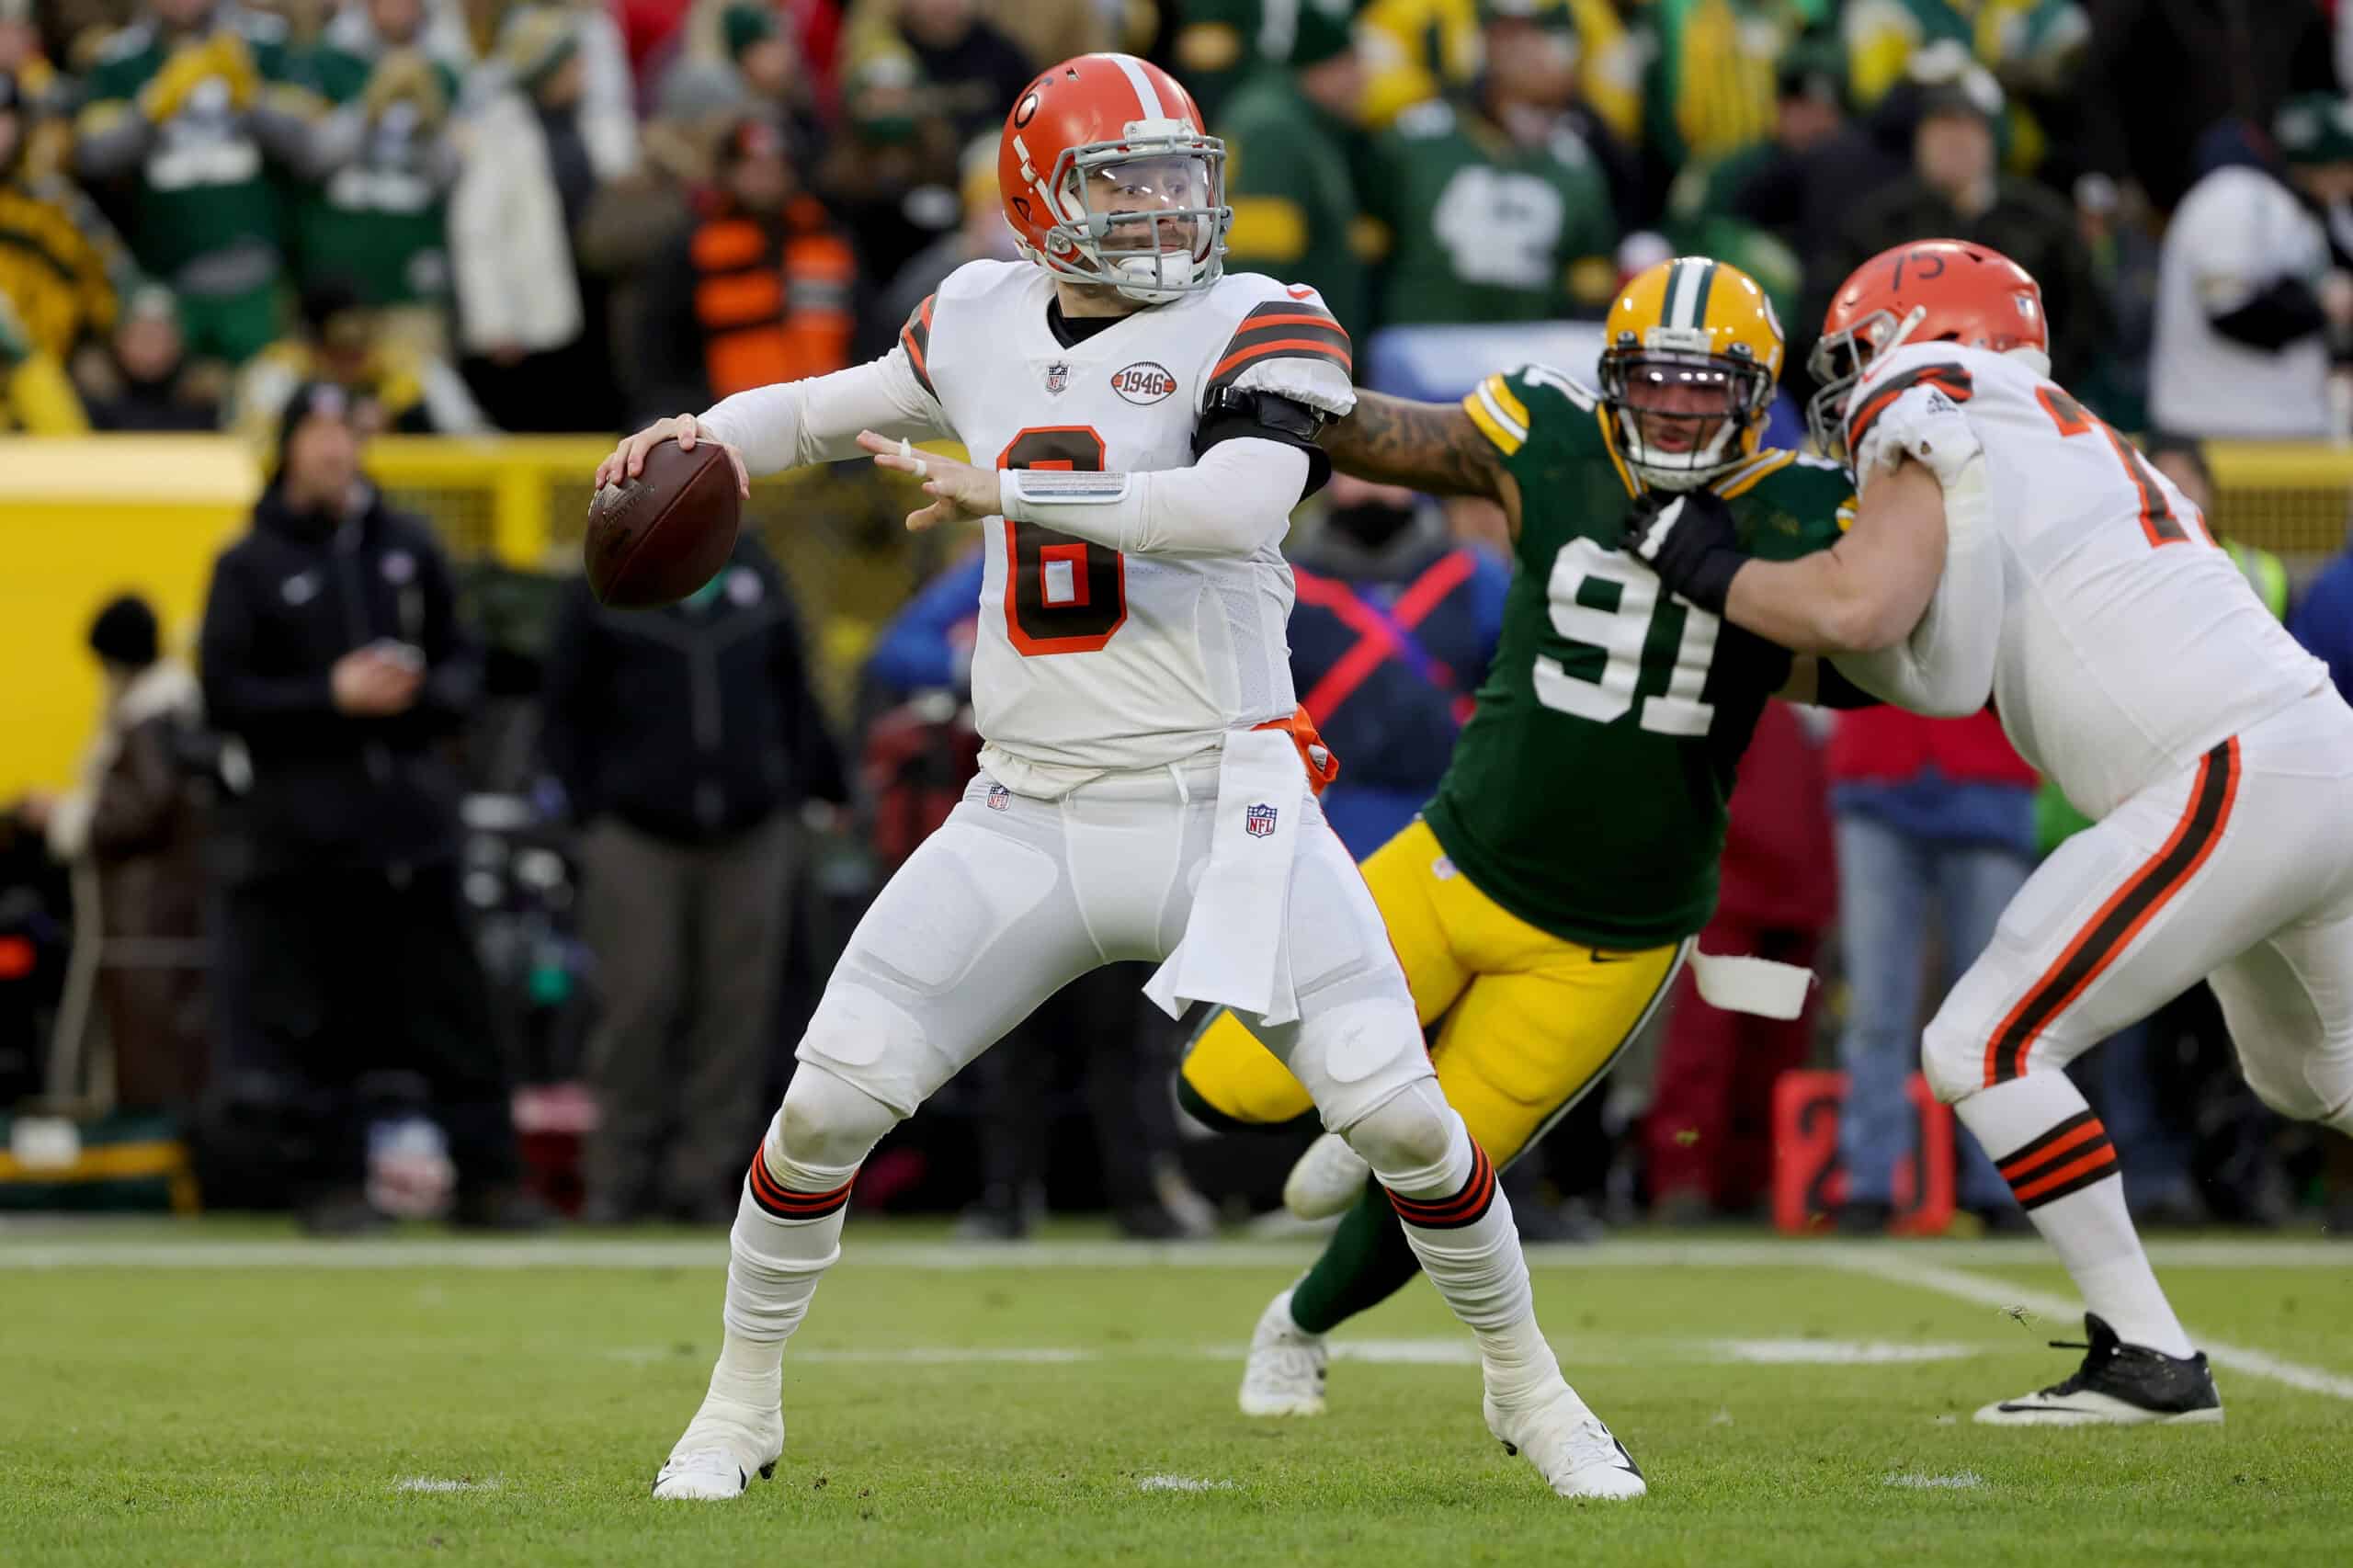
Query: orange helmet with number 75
{"points": [[1109, 178], [1926, 292]]}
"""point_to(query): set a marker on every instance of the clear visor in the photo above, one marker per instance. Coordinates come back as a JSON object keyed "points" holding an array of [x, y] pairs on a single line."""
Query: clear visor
{"points": [[1163, 204], [1679, 402]]}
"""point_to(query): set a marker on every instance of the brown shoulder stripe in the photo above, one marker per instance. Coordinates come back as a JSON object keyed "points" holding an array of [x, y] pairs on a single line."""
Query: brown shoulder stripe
{"points": [[1949, 379], [915, 339], [1293, 328]]}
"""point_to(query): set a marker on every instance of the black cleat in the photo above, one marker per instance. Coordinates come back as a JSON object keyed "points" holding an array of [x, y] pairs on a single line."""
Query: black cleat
{"points": [[2118, 1385]]}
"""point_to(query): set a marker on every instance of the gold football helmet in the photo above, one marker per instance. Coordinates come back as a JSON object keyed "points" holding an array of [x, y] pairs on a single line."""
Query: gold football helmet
{"points": [[1691, 355]]}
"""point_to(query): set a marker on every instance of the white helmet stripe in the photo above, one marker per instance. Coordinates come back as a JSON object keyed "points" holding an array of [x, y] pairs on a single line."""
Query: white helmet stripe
{"points": [[1147, 97], [1686, 291]]}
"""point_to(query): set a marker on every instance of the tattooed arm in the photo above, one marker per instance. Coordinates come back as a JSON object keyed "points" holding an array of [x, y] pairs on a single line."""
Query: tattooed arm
{"points": [[1428, 447]]}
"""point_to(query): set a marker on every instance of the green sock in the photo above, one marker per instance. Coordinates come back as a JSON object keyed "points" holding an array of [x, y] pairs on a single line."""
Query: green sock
{"points": [[1367, 1261]]}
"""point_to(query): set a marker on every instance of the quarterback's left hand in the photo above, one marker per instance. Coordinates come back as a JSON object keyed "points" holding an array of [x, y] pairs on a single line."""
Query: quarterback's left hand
{"points": [[1690, 541], [963, 493]]}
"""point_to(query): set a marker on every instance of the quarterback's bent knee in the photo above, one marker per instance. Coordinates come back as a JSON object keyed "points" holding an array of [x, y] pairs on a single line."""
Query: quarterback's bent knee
{"points": [[1952, 1059], [1410, 1130], [872, 1041], [828, 1122], [1356, 1055]]}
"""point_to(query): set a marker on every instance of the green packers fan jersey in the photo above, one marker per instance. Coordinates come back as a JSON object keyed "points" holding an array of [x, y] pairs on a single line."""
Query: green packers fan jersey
{"points": [[1484, 230], [1586, 794]]}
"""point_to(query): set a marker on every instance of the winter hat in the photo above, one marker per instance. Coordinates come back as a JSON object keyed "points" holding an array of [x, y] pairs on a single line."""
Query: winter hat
{"points": [[311, 397], [2315, 128], [742, 26], [535, 43], [125, 632], [1319, 33]]}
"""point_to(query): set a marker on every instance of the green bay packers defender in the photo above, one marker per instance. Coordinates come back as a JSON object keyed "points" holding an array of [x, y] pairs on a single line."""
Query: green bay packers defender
{"points": [[1548, 895]]}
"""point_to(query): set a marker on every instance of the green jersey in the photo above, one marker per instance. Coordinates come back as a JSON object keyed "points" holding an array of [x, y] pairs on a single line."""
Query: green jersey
{"points": [[1483, 229], [201, 185], [1293, 195], [1586, 794], [378, 222]]}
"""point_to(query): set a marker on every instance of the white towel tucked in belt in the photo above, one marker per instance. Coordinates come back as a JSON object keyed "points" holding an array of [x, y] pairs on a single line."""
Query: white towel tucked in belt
{"points": [[1234, 950]]}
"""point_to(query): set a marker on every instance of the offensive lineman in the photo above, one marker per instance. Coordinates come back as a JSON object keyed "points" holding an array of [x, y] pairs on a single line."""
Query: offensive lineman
{"points": [[2131, 662], [1145, 788], [1546, 898]]}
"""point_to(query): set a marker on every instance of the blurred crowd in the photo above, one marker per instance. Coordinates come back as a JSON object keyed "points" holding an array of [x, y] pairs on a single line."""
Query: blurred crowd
{"points": [[572, 214], [333, 894]]}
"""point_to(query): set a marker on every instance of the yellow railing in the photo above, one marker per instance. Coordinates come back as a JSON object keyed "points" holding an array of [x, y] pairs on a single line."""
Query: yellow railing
{"points": [[2286, 496], [85, 518]]}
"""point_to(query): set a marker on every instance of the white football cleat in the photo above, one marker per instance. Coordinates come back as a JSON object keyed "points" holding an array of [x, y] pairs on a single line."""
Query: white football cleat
{"points": [[1285, 1373], [1567, 1444], [1328, 1180], [724, 1446]]}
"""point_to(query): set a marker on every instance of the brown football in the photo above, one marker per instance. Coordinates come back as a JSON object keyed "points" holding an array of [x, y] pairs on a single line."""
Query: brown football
{"points": [[654, 539]]}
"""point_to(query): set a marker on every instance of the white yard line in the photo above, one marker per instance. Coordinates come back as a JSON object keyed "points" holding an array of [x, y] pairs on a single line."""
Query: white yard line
{"points": [[2065, 1312], [37, 1246]]}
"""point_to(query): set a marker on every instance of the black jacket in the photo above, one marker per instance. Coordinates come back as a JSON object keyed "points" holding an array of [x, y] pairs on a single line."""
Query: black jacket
{"points": [[288, 600], [2028, 223], [689, 723]]}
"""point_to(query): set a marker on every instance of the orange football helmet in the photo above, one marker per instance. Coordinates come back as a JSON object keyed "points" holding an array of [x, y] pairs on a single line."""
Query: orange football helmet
{"points": [[1108, 178], [1926, 292]]}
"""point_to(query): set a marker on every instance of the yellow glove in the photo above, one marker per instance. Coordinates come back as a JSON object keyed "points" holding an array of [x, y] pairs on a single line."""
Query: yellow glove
{"points": [[234, 63], [406, 75], [166, 92]]}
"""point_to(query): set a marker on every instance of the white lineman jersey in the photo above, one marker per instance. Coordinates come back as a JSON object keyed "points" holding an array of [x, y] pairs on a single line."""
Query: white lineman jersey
{"points": [[1087, 660], [2131, 645]]}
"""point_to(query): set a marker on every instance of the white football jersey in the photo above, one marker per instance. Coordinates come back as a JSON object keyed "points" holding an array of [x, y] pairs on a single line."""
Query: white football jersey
{"points": [[2130, 644], [1088, 660]]}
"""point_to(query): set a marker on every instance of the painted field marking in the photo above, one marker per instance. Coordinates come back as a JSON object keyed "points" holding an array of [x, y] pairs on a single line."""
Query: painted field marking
{"points": [[1975, 1288]]}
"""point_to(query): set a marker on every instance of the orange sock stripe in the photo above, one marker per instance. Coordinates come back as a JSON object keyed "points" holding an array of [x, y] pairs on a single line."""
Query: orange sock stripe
{"points": [[2095, 1164], [776, 1198], [1464, 1207], [2018, 1168]]}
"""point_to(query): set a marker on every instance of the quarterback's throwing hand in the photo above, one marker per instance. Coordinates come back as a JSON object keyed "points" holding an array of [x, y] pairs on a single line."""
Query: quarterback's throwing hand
{"points": [[1689, 540], [961, 492]]}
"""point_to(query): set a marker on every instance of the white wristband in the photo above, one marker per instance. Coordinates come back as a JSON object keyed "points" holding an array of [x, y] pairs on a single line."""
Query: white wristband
{"points": [[1024, 490]]}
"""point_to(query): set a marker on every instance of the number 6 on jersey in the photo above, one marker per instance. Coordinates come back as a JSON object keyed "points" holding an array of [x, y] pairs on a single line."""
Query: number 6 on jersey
{"points": [[1062, 594]]}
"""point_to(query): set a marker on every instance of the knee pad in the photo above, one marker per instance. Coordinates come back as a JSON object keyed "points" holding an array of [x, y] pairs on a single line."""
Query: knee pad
{"points": [[873, 1041], [1356, 1055], [827, 1123], [1413, 1131], [1953, 1059]]}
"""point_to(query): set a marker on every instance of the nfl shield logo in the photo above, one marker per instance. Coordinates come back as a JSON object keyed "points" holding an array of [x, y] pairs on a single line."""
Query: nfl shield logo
{"points": [[999, 796], [1057, 376], [1259, 821]]}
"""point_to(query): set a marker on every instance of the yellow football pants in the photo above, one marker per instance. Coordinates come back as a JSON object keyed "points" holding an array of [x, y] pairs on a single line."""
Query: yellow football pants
{"points": [[1532, 1020]]}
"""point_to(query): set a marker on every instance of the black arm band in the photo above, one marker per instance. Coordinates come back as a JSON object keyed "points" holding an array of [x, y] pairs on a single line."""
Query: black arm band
{"points": [[1231, 414], [2287, 310]]}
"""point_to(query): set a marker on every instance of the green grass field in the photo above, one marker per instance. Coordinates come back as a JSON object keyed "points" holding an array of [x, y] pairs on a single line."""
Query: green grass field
{"points": [[198, 1395]]}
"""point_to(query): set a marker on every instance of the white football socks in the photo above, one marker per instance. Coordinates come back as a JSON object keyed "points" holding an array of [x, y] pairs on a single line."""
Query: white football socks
{"points": [[2059, 1162], [787, 1232], [1459, 1223]]}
